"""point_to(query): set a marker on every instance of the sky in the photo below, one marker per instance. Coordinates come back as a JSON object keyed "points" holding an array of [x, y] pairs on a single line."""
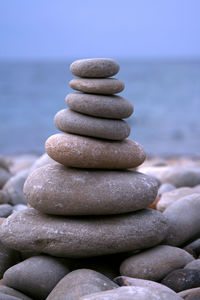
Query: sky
{"points": [[50, 29]]}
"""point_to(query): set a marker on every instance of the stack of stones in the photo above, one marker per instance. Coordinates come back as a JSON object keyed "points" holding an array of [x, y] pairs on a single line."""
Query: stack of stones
{"points": [[89, 202]]}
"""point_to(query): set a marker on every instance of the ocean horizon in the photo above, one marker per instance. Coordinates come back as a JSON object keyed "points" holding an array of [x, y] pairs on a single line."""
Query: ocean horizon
{"points": [[165, 95]]}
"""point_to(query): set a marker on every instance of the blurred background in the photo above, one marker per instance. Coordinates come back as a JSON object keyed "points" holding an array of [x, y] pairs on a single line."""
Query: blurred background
{"points": [[157, 44]]}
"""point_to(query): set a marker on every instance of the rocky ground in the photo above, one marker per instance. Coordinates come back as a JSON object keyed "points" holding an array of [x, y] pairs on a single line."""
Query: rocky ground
{"points": [[170, 270]]}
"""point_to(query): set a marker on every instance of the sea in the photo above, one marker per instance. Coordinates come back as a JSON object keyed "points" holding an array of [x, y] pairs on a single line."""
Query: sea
{"points": [[165, 95]]}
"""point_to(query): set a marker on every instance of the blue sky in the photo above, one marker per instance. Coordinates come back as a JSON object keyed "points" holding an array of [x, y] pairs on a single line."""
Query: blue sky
{"points": [[38, 29]]}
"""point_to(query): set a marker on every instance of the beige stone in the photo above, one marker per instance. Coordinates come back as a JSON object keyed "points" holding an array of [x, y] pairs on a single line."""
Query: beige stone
{"points": [[86, 152], [107, 86], [83, 192]]}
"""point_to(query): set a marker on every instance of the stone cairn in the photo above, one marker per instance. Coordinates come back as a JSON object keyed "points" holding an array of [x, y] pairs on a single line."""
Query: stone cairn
{"points": [[89, 202], [91, 178]]}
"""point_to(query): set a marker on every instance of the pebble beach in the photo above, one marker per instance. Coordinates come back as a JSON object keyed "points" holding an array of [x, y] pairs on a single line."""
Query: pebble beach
{"points": [[95, 217]]}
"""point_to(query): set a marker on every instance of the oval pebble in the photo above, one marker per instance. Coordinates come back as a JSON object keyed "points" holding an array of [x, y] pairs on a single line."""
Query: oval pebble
{"points": [[107, 86], [83, 192], [111, 107], [69, 121], [94, 67], [80, 236], [86, 152]]}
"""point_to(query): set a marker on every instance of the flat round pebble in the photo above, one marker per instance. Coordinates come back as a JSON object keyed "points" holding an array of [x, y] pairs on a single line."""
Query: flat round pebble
{"points": [[83, 192], [111, 107], [155, 263], [86, 152], [182, 279], [83, 237], [70, 121], [94, 67], [132, 293], [36, 276], [107, 86], [79, 283]]}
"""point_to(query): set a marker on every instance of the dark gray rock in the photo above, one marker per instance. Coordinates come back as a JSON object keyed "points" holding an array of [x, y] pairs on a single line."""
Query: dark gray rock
{"points": [[8, 257], [83, 192], [94, 67], [107, 86], [81, 236], [70, 121], [182, 279], [79, 283], [36, 276], [111, 107]]}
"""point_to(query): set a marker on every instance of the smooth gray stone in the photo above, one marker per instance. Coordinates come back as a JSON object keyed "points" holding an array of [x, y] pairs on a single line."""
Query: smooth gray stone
{"points": [[12, 292], [86, 152], [83, 237], [93, 192], [5, 210], [155, 263], [70, 121], [104, 86], [79, 283], [94, 67], [182, 279], [110, 107], [8, 258], [36, 276], [184, 220], [14, 188], [132, 293]]}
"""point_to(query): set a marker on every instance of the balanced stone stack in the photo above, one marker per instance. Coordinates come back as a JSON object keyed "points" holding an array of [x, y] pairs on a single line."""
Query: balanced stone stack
{"points": [[89, 203]]}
